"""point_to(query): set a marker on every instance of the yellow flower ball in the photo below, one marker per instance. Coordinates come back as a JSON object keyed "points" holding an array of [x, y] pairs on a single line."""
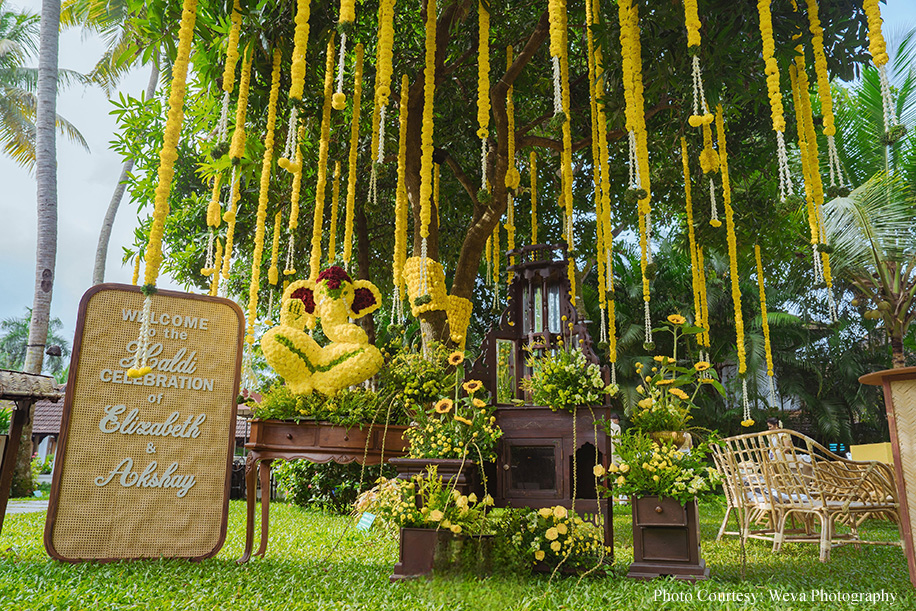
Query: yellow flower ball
{"points": [[715, 223], [339, 101]]}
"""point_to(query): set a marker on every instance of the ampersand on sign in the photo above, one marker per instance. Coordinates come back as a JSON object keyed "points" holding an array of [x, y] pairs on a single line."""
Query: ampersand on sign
{"points": [[150, 448]]}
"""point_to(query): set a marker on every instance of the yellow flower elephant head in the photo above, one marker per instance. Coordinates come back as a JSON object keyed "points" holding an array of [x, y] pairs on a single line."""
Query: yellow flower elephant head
{"points": [[332, 299]]}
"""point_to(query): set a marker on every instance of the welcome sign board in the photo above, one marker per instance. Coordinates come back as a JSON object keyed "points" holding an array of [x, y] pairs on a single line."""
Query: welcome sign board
{"points": [[143, 465]]}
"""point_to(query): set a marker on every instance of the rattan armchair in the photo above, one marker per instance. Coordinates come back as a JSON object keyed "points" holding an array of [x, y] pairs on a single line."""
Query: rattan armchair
{"points": [[781, 476]]}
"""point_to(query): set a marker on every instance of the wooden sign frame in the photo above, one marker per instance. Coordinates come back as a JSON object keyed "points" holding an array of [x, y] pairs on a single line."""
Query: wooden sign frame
{"points": [[70, 397]]}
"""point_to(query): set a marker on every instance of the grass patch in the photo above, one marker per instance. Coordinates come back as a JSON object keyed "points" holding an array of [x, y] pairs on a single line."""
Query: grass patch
{"points": [[315, 562]]}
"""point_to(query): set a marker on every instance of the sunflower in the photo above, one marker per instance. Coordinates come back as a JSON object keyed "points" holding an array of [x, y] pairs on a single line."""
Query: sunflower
{"points": [[456, 358], [472, 386], [444, 406], [676, 319], [680, 394], [701, 366]]}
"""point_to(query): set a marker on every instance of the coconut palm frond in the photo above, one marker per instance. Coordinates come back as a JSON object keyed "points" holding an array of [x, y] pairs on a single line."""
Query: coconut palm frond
{"points": [[870, 225]]}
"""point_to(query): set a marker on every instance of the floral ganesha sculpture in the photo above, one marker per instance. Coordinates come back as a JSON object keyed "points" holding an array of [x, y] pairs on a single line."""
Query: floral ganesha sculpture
{"points": [[331, 300]]}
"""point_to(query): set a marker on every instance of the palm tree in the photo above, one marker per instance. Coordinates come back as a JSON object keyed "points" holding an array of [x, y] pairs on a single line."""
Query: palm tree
{"points": [[872, 230], [46, 179], [114, 21], [18, 43], [14, 339]]}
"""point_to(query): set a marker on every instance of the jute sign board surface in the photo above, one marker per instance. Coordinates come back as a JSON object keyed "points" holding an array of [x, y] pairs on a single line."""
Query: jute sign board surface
{"points": [[142, 468]]}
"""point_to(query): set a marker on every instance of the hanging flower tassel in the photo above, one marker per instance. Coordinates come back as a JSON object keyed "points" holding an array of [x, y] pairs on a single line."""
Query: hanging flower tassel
{"points": [[401, 206], [748, 421], [352, 170], [483, 87], [766, 324], [771, 69], [893, 131], [321, 183], [426, 146]]}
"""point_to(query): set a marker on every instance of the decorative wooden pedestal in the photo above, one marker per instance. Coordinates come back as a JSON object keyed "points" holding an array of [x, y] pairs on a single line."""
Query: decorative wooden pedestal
{"points": [[417, 552], [319, 442], [900, 401], [666, 540]]}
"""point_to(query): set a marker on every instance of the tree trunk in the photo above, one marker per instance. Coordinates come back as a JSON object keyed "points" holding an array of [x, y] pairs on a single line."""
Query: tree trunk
{"points": [[101, 251], [898, 358], [46, 251]]}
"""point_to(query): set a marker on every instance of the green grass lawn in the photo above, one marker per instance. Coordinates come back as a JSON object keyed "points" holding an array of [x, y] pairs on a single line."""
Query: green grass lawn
{"points": [[315, 562]]}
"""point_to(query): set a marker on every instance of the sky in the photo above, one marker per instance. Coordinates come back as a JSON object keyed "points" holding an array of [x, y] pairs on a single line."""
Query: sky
{"points": [[86, 181]]}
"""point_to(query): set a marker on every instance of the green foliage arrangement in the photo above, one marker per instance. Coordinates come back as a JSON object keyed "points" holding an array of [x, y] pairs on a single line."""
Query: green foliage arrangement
{"points": [[5, 415], [565, 380], [552, 536], [352, 407], [463, 427], [425, 501], [329, 486], [649, 469], [414, 380], [664, 404]]}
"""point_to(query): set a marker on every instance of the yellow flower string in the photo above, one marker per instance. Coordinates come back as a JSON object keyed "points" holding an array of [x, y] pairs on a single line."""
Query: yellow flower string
{"points": [[691, 237], [596, 165], [771, 69], [533, 174], [823, 92], [814, 189], [236, 151], [704, 339], [335, 201], [483, 87], [214, 281], [607, 233], [297, 84], [436, 169], [766, 325], [167, 157], [639, 181], [354, 154], [383, 69], [426, 139], [232, 58], [295, 188], [136, 277], [878, 50], [733, 265], [494, 243], [273, 273], [401, 206], [559, 56], [512, 176], [320, 187], [263, 198], [344, 24]]}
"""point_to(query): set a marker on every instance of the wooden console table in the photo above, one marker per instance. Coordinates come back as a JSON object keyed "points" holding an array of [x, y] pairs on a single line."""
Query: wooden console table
{"points": [[317, 442], [24, 389]]}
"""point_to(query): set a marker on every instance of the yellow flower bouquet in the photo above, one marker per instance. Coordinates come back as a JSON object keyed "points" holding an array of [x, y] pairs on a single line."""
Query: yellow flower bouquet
{"points": [[553, 537]]}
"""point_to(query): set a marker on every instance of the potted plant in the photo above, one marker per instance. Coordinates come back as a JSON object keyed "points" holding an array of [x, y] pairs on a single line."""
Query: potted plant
{"points": [[668, 390], [664, 484], [429, 513], [457, 434]]}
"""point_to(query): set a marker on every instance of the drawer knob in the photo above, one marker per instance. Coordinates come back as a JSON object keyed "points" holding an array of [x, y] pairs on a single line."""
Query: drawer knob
{"points": [[289, 435], [658, 510], [505, 467], [346, 438]]}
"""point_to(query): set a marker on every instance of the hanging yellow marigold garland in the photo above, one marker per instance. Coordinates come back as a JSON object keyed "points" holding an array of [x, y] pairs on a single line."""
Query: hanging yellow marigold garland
{"points": [[512, 176], [483, 87], [771, 69], [167, 157], [344, 26], [533, 174], [733, 265], [383, 69], [426, 140], [878, 49], [263, 195], [401, 206], [321, 185], [823, 91], [353, 170], [640, 185], [766, 325], [335, 201]]}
